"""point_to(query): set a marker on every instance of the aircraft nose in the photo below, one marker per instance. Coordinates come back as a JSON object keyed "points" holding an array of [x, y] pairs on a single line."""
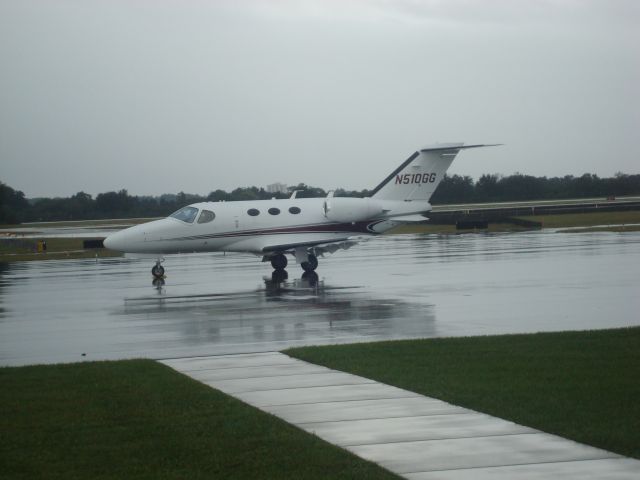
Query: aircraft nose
{"points": [[136, 239], [127, 240], [116, 241]]}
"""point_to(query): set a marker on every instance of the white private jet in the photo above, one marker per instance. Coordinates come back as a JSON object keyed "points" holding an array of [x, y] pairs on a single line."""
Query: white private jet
{"points": [[302, 227]]}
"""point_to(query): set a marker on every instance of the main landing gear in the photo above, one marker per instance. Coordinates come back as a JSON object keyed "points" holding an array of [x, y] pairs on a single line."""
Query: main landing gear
{"points": [[311, 264], [308, 261], [279, 261]]}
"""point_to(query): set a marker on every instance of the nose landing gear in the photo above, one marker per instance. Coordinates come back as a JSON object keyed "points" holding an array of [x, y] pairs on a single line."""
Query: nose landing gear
{"points": [[158, 270]]}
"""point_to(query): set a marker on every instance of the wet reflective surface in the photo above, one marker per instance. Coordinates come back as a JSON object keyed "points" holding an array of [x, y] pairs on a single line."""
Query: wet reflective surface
{"points": [[391, 287]]}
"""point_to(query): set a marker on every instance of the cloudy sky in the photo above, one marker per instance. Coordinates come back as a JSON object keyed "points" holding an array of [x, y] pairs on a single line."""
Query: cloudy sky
{"points": [[165, 95]]}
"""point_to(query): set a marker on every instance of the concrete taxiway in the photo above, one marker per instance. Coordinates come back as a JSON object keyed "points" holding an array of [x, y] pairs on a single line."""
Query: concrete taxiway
{"points": [[414, 436], [400, 286]]}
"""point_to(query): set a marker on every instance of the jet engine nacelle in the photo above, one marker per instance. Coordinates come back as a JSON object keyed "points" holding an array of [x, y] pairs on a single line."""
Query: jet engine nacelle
{"points": [[345, 210]]}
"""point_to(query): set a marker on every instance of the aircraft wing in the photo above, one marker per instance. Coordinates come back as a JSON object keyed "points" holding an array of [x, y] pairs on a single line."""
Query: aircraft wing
{"points": [[290, 246], [322, 242]]}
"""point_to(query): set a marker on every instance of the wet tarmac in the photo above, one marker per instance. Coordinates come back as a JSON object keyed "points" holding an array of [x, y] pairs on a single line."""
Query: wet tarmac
{"points": [[391, 287]]}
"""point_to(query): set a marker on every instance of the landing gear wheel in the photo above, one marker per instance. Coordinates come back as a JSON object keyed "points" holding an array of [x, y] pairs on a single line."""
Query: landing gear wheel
{"points": [[310, 277], [279, 276], [311, 264], [279, 262], [157, 271]]}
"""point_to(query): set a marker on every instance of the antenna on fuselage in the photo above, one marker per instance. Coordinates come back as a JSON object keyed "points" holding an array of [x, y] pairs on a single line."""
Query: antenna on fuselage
{"points": [[293, 194]]}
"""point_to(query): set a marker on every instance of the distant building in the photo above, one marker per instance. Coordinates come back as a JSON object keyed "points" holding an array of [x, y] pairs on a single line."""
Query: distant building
{"points": [[277, 188]]}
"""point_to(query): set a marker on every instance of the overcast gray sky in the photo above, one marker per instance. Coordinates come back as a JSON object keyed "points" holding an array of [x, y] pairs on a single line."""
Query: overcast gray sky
{"points": [[164, 95]]}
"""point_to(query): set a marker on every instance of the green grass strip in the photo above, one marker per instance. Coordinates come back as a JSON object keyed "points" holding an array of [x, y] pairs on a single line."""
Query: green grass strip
{"points": [[580, 385], [18, 250], [586, 219], [140, 419]]}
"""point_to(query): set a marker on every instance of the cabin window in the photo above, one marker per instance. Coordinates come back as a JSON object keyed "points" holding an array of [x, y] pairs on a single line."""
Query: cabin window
{"points": [[274, 211], [254, 212], [186, 214], [206, 216], [294, 210]]}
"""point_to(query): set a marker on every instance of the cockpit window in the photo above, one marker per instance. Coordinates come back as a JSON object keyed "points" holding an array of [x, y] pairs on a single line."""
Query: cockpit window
{"points": [[186, 214], [206, 216]]}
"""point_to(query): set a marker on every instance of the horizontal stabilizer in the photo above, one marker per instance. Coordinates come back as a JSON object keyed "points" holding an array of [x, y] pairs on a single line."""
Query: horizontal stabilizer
{"points": [[456, 147]]}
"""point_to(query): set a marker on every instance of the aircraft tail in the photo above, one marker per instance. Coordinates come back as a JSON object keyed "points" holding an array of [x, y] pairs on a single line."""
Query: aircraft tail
{"points": [[419, 176]]}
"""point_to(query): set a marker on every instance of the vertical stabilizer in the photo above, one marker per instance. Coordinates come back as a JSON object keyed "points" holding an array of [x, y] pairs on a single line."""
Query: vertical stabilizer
{"points": [[419, 176]]}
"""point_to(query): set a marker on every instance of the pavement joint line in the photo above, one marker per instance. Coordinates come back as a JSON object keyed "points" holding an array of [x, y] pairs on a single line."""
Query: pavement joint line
{"points": [[385, 418], [230, 368], [193, 357], [233, 368], [395, 442], [417, 395], [307, 387], [506, 465], [265, 376], [329, 401], [294, 388]]}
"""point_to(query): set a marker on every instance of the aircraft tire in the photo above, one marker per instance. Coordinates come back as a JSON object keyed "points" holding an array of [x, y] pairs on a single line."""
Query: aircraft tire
{"points": [[310, 277], [279, 262], [157, 271], [311, 264], [279, 276]]}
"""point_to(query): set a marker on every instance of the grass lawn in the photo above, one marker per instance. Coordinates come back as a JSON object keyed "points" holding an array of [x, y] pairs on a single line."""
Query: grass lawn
{"points": [[140, 419], [619, 229], [580, 385], [81, 223], [13, 250], [451, 229], [548, 221], [586, 219]]}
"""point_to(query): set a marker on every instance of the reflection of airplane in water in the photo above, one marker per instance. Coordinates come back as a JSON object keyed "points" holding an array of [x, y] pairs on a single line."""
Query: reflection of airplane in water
{"points": [[302, 227], [276, 283], [284, 310], [278, 279]]}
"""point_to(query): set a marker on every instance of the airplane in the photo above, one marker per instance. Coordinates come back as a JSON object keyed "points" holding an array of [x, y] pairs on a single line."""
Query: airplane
{"points": [[304, 228]]}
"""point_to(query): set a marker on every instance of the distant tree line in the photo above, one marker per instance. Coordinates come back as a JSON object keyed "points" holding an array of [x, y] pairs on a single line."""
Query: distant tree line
{"points": [[498, 188], [16, 208]]}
